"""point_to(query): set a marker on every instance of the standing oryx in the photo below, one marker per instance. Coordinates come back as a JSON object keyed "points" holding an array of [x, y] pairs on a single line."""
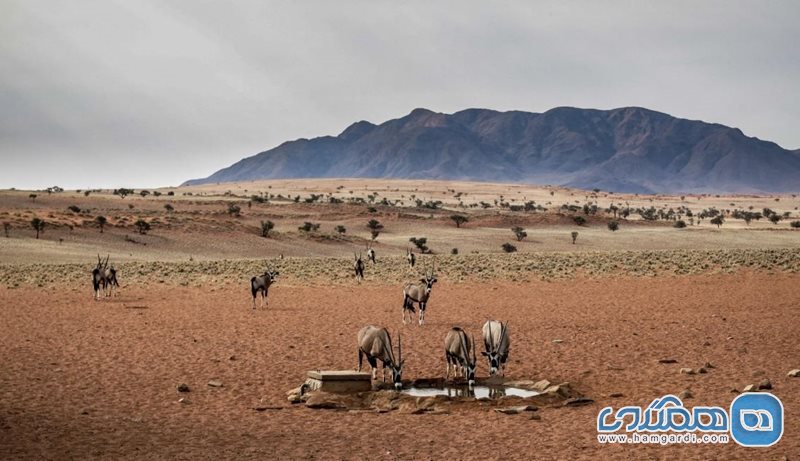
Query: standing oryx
{"points": [[358, 266], [497, 343], [376, 344], [410, 258], [104, 277], [413, 293], [261, 284], [457, 348], [370, 253]]}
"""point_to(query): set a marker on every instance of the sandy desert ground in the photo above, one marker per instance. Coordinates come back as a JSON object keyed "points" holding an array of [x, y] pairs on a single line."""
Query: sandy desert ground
{"points": [[85, 379]]}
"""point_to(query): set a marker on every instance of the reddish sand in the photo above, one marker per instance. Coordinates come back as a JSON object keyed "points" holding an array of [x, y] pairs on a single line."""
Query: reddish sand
{"points": [[82, 379]]}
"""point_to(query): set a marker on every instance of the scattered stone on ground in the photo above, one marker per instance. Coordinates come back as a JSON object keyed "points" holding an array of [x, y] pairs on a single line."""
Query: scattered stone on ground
{"points": [[758, 373], [183, 400], [262, 407], [687, 371], [702, 370], [794, 373], [616, 395], [558, 341], [215, 383], [686, 394], [183, 387], [578, 401], [708, 366], [765, 384], [667, 361], [541, 385], [535, 417], [516, 410], [750, 388]]}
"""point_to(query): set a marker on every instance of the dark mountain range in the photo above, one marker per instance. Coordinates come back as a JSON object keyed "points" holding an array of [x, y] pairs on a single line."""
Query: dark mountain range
{"points": [[625, 150]]}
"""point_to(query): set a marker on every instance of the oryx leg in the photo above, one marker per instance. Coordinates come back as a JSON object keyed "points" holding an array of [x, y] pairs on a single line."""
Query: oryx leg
{"points": [[360, 358]]}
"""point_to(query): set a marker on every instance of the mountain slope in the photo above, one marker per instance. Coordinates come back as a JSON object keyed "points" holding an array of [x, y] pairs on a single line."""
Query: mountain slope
{"points": [[627, 150]]}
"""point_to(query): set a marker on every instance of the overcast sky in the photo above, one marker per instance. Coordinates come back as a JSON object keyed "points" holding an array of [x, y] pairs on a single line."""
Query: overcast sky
{"points": [[151, 93]]}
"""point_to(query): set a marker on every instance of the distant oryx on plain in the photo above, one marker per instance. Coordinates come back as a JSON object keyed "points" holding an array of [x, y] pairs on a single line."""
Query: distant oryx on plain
{"points": [[261, 284], [497, 343], [413, 293], [410, 258], [457, 349], [376, 344], [358, 266], [370, 253]]}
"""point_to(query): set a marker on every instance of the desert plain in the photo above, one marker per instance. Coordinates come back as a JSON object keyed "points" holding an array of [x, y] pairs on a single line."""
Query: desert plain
{"points": [[616, 314]]}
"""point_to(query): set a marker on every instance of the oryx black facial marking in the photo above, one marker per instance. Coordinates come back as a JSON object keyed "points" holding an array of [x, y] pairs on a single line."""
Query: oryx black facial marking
{"points": [[419, 294], [497, 343]]}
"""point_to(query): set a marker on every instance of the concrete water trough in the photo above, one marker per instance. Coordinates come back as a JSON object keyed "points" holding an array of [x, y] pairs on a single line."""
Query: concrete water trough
{"points": [[338, 381]]}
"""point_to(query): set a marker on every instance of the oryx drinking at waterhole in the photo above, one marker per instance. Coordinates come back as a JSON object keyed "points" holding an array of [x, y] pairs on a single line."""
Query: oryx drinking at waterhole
{"points": [[457, 349], [376, 344], [497, 343]]}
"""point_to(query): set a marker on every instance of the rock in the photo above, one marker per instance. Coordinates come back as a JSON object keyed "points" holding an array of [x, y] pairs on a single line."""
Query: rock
{"points": [[758, 373], [708, 365], [562, 389], [516, 410], [616, 395], [215, 383], [183, 387], [750, 388], [578, 401], [702, 370], [794, 373], [687, 371], [323, 400], [233, 357], [765, 384], [541, 385], [183, 400], [706, 344], [558, 341], [687, 394], [667, 361], [535, 417]]}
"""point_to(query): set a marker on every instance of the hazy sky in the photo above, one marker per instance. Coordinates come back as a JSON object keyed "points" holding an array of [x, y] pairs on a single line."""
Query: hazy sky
{"points": [[151, 93]]}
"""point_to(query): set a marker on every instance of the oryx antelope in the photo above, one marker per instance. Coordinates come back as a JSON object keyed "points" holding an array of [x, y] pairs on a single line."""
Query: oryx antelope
{"points": [[376, 344], [410, 258], [261, 284], [104, 277], [370, 253], [358, 266], [418, 293], [497, 343], [457, 349]]}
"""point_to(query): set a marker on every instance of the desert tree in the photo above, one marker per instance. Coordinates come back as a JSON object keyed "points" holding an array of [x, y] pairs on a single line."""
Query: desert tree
{"points": [[421, 243], [613, 226], [717, 220], [519, 233], [508, 248], [142, 226], [459, 219], [101, 222], [341, 229], [234, 209], [144, 193], [579, 220], [679, 224], [73, 208], [309, 227], [775, 218], [454, 251], [169, 208], [123, 192], [266, 226], [38, 225], [574, 236], [374, 233], [374, 225], [795, 224]]}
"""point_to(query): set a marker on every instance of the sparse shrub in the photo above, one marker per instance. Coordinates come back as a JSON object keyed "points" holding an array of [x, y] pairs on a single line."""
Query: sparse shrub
{"points": [[341, 229], [775, 218], [144, 193], [86, 193], [613, 226], [142, 226], [101, 222], [266, 226], [130, 206], [454, 251], [38, 225], [374, 224], [795, 224], [717, 220], [74, 209], [574, 236], [372, 209], [169, 208], [508, 248], [234, 210], [257, 199], [519, 233], [171, 193], [459, 219], [420, 243], [679, 224], [308, 227], [579, 220]]}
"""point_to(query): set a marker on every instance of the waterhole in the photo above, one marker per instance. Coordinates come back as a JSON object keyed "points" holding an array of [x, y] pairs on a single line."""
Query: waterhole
{"points": [[478, 392]]}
